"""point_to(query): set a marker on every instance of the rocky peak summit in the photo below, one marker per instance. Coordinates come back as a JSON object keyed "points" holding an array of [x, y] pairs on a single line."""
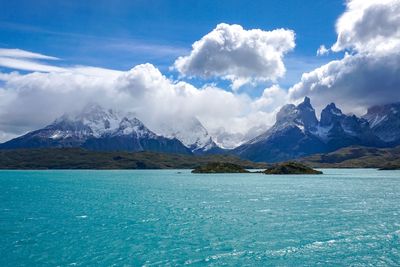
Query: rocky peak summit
{"points": [[302, 115], [330, 114]]}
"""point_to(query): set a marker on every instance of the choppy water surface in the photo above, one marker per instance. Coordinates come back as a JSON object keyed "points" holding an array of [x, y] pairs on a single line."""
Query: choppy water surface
{"points": [[163, 218]]}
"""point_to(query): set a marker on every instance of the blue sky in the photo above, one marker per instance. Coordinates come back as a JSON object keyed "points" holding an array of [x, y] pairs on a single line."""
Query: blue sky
{"points": [[121, 34]]}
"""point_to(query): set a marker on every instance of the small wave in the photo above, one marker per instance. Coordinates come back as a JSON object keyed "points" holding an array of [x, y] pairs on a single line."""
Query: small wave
{"points": [[283, 252], [263, 211], [81, 216], [320, 244], [194, 261], [224, 255], [150, 220], [291, 250]]}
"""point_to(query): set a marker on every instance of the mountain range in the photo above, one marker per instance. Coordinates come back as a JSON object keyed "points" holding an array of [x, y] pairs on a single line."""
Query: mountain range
{"points": [[296, 133], [95, 128]]}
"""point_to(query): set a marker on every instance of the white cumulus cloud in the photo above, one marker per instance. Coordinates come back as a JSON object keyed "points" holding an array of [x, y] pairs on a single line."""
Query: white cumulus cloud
{"points": [[241, 56], [369, 26]]}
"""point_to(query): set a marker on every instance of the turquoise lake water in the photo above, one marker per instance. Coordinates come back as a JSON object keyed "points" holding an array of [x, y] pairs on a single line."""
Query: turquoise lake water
{"points": [[166, 218]]}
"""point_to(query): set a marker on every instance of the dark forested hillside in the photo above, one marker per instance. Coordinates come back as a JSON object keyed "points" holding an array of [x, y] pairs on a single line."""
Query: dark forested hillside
{"points": [[77, 158]]}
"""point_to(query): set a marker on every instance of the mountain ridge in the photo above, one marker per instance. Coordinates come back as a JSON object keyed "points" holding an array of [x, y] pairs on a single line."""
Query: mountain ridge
{"points": [[296, 133]]}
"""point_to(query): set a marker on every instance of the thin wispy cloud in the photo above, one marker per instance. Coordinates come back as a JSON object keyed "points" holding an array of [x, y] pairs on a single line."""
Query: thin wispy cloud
{"points": [[28, 65], [18, 53], [25, 60]]}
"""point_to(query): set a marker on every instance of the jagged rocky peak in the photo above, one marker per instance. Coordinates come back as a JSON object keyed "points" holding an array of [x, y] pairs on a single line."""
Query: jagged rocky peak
{"points": [[336, 125], [330, 114], [306, 104], [303, 115], [307, 113]]}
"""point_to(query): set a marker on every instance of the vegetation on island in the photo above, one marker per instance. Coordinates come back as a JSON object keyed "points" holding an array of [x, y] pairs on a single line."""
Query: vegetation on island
{"points": [[220, 167], [280, 168], [290, 168]]}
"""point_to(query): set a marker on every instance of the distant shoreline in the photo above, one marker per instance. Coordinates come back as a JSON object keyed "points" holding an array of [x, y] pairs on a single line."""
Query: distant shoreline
{"points": [[81, 159]]}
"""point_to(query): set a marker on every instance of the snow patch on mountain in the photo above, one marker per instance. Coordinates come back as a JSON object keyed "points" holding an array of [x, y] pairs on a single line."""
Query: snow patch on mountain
{"points": [[376, 120], [322, 132]]}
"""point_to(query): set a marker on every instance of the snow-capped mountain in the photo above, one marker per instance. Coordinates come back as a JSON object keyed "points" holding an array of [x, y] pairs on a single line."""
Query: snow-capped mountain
{"points": [[297, 132], [384, 121], [191, 133], [339, 130], [97, 129], [291, 136], [303, 116]]}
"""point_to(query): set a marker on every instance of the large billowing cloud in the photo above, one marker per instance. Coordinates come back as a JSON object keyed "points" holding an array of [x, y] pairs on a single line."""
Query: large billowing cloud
{"points": [[33, 100], [370, 73], [355, 82], [369, 26], [241, 56]]}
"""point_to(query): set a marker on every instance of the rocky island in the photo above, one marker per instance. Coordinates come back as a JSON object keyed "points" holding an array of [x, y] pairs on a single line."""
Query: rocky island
{"points": [[220, 167], [291, 168], [279, 168]]}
